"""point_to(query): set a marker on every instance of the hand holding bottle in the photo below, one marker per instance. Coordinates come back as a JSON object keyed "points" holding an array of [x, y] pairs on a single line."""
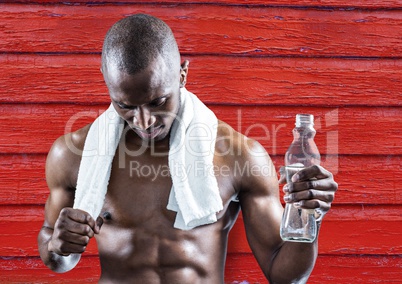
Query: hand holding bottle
{"points": [[309, 189]]}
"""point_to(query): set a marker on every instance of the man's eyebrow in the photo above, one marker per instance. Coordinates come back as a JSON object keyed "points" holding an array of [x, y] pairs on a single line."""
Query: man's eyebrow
{"points": [[123, 104], [161, 97], [154, 100]]}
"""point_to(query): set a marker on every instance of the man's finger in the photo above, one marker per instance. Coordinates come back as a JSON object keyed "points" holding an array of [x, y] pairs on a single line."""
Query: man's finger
{"points": [[69, 248], [78, 239], [313, 204], [80, 229], [312, 172], [80, 216], [310, 194], [320, 184]]}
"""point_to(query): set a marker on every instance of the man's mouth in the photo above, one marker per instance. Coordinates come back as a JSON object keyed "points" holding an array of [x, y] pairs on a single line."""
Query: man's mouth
{"points": [[149, 134]]}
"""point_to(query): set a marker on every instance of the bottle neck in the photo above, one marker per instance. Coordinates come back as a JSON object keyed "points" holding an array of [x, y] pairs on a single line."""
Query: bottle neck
{"points": [[304, 132], [303, 151]]}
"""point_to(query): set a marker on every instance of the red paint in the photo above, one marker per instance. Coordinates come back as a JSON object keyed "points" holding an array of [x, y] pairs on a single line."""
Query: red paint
{"points": [[73, 78], [263, 60], [23, 180], [229, 30], [240, 267], [32, 128], [348, 229], [291, 3]]}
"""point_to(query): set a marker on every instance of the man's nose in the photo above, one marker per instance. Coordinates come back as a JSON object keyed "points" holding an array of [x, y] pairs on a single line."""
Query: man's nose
{"points": [[143, 119]]}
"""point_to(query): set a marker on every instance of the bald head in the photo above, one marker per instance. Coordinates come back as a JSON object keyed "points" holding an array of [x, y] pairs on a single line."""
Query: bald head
{"points": [[134, 42]]}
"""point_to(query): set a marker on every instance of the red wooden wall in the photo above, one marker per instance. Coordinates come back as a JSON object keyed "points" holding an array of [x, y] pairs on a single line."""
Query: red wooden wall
{"points": [[256, 63]]}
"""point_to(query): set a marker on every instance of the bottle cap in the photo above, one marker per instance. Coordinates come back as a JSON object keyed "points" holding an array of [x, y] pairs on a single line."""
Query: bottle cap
{"points": [[304, 119]]}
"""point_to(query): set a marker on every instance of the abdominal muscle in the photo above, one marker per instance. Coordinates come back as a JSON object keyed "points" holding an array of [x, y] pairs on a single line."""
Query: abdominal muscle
{"points": [[161, 255], [137, 243]]}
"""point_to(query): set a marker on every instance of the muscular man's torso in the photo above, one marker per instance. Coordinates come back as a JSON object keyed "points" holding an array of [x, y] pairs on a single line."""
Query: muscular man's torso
{"points": [[138, 243]]}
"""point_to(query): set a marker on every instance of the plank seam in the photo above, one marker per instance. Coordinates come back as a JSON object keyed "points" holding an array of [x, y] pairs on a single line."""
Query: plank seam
{"points": [[178, 3], [211, 54], [105, 104]]}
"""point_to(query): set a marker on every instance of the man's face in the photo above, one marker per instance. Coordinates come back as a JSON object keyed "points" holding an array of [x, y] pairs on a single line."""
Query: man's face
{"points": [[149, 100]]}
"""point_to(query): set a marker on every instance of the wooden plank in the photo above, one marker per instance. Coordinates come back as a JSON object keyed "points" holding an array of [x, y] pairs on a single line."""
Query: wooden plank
{"points": [[356, 229], [293, 3], [32, 270], [362, 180], [66, 78], [240, 268], [23, 179], [20, 226], [233, 30], [31, 128], [264, 81]]}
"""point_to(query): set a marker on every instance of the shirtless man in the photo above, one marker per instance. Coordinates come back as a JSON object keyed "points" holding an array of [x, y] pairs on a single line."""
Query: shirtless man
{"points": [[136, 239]]}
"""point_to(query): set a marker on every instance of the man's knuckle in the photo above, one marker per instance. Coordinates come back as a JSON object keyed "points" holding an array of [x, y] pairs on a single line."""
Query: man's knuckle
{"points": [[88, 218], [91, 234], [317, 168], [87, 230], [63, 248], [316, 204], [292, 196], [64, 212], [60, 225], [86, 240]]}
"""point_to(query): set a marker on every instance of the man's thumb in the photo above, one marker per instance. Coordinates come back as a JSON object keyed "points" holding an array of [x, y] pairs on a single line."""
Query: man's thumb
{"points": [[98, 224], [282, 173]]}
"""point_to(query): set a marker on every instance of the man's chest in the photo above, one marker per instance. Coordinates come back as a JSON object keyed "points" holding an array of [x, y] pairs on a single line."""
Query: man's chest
{"points": [[140, 186], [139, 189]]}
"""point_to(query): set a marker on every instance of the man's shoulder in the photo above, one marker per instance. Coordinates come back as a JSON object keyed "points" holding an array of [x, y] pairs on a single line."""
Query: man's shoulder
{"points": [[234, 143], [64, 158], [70, 144], [250, 164]]}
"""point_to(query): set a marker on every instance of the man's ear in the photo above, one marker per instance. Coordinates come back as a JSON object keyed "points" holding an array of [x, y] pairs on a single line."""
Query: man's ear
{"points": [[183, 73]]}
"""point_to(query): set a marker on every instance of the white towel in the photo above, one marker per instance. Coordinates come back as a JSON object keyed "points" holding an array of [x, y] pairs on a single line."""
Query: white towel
{"points": [[194, 195], [96, 162]]}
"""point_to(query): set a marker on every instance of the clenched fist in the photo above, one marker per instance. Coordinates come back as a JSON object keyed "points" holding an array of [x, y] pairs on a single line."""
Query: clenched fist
{"points": [[72, 231]]}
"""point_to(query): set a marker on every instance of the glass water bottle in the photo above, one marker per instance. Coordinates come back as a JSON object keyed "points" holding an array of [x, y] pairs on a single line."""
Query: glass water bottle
{"points": [[299, 225]]}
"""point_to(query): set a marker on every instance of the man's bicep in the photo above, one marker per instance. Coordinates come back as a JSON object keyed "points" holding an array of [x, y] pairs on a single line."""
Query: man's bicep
{"points": [[262, 216], [60, 196], [58, 179], [262, 210], [58, 199]]}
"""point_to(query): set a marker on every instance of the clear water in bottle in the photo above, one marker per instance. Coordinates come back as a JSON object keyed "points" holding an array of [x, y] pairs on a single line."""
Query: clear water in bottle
{"points": [[299, 225]]}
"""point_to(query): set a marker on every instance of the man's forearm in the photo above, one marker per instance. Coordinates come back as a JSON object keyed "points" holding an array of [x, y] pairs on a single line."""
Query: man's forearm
{"points": [[55, 262], [294, 262]]}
